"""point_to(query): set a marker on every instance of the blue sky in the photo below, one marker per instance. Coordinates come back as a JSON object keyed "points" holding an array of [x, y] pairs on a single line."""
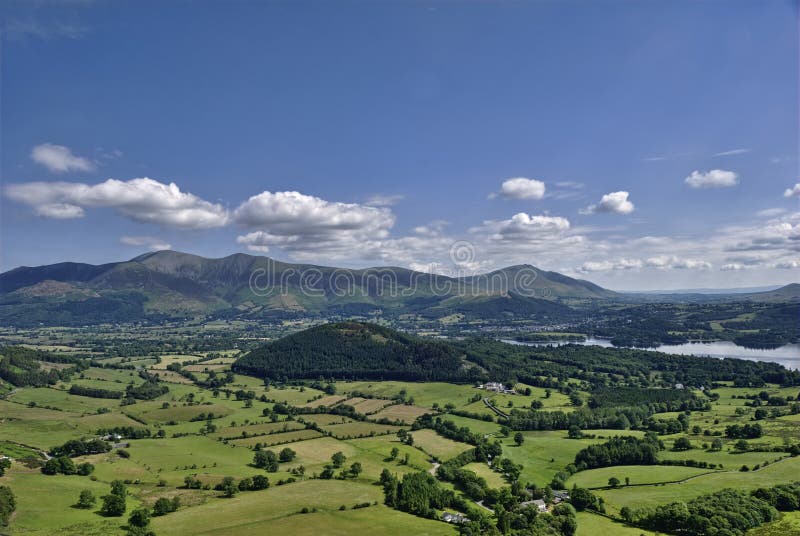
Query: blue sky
{"points": [[639, 145]]}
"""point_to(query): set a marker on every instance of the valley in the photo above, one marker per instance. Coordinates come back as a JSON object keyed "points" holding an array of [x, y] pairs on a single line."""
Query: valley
{"points": [[193, 426]]}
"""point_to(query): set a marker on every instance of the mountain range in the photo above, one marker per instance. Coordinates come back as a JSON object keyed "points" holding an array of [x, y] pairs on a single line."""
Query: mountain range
{"points": [[167, 284], [171, 283]]}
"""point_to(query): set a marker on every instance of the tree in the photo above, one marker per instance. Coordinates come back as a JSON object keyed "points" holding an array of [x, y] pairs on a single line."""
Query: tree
{"points": [[519, 438], [8, 504], [613, 482], [139, 518], [355, 469], [741, 445], [260, 482], [682, 443], [266, 459], [118, 488], [327, 473], [164, 506], [287, 455], [86, 499], [574, 432], [5, 463], [228, 487], [582, 498], [113, 505], [394, 453], [85, 469], [338, 459], [716, 445]]}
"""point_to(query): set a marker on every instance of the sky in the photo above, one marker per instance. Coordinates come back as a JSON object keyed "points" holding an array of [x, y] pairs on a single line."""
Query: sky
{"points": [[640, 145]]}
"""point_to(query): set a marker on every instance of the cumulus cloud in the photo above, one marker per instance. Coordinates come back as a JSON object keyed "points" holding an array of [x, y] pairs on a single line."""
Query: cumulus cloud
{"points": [[523, 226], [615, 202], [150, 242], [733, 267], [774, 235], [716, 178], [433, 228], [608, 265], [143, 200], [794, 191], [520, 188], [59, 159], [299, 222], [59, 211], [672, 262]]}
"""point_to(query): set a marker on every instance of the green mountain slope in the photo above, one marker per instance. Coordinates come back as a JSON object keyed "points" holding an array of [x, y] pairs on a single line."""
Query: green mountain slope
{"points": [[356, 350], [175, 284]]}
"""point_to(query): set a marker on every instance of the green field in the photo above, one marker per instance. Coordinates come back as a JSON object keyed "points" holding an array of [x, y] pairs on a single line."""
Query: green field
{"points": [[157, 467], [638, 474], [279, 509], [640, 496]]}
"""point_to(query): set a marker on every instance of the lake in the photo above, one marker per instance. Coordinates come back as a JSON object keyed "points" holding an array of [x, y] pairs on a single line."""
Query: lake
{"points": [[787, 355]]}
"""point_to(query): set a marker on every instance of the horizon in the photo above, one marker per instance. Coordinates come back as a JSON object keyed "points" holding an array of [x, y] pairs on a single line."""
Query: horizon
{"points": [[463, 138]]}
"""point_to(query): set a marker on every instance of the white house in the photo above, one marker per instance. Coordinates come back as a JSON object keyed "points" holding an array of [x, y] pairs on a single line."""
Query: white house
{"points": [[497, 387], [447, 517]]}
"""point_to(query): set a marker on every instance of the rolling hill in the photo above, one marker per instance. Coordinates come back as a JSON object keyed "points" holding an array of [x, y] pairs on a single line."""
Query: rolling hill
{"points": [[175, 284], [357, 350]]}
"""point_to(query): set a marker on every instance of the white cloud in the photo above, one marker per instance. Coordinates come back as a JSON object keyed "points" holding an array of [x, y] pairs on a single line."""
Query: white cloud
{"points": [[671, 262], [733, 152], [143, 200], [607, 265], [429, 268], [787, 265], [59, 211], [615, 202], [733, 267], [60, 159], [384, 200], [520, 188], [434, 228], [770, 212], [526, 227], [304, 223], [716, 178], [150, 242], [781, 234], [794, 191]]}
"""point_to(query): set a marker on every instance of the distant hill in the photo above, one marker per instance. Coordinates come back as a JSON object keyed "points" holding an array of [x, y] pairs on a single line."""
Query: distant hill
{"points": [[175, 284], [790, 292], [356, 350], [786, 293]]}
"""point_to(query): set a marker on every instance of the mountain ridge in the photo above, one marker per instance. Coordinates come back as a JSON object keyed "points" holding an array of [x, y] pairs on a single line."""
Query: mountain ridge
{"points": [[177, 283]]}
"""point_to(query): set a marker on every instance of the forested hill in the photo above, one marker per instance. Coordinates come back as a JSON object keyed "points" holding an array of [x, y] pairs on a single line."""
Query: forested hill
{"points": [[357, 350]]}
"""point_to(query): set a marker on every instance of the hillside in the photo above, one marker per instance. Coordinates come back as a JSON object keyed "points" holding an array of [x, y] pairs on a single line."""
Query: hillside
{"points": [[175, 284], [356, 350]]}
